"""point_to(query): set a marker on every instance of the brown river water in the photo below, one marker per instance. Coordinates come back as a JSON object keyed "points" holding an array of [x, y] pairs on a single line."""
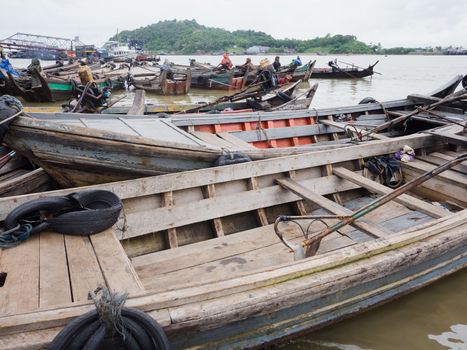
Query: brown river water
{"points": [[432, 318]]}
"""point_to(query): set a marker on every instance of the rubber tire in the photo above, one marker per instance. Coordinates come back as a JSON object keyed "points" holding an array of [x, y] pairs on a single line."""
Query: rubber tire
{"points": [[232, 158], [25, 210], [102, 212], [78, 328], [283, 96], [367, 100]]}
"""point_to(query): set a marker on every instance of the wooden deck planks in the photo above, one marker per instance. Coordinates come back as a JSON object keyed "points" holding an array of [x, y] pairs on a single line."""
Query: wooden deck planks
{"points": [[118, 272], [54, 285], [85, 273], [231, 256], [20, 292]]}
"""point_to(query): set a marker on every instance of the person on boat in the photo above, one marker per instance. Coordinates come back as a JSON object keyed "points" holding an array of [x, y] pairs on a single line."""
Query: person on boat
{"points": [[248, 65], [267, 75], [333, 65], [167, 67], [2, 54], [277, 64], [34, 67], [296, 62], [85, 73], [226, 63], [7, 67]]}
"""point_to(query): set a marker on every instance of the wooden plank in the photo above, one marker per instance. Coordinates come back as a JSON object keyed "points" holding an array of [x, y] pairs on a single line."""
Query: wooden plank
{"points": [[117, 269], [210, 192], [235, 140], [171, 232], [54, 284], [439, 158], [138, 106], [24, 183], [85, 272], [140, 223], [20, 292], [162, 262], [451, 138], [448, 175], [437, 189], [212, 139], [173, 182], [305, 193], [272, 133], [405, 199]]}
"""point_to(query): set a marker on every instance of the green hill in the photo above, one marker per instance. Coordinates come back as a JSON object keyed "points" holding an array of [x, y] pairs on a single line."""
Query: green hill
{"points": [[189, 37]]}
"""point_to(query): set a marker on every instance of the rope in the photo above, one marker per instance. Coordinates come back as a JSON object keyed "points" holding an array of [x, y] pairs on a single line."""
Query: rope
{"points": [[109, 307], [15, 236], [260, 129]]}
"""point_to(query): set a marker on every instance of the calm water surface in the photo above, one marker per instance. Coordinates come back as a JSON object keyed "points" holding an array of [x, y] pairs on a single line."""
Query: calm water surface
{"points": [[432, 318]]}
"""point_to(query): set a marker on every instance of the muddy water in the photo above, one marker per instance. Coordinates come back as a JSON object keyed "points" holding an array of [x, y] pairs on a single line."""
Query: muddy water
{"points": [[432, 318]]}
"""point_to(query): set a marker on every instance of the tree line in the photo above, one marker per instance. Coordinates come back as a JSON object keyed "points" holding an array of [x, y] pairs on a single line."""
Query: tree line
{"points": [[189, 37]]}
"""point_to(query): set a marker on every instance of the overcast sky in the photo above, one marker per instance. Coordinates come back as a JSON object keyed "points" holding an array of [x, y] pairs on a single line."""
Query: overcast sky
{"points": [[408, 23]]}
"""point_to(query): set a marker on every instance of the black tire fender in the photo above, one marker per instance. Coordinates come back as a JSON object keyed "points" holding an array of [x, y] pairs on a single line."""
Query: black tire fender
{"points": [[367, 100]]}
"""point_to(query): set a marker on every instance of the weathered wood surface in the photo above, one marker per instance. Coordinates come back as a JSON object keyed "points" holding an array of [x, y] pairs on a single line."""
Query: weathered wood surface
{"points": [[138, 106], [405, 199], [207, 284], [173, 182], [331, 206]]}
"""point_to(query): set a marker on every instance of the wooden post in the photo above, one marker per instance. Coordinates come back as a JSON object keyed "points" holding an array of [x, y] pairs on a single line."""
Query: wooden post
{"points": [[171, 232], [210, 192], [260, 213]]}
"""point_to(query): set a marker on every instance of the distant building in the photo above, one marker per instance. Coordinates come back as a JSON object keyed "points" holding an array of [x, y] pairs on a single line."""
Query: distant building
{"points": [[255, 50]]}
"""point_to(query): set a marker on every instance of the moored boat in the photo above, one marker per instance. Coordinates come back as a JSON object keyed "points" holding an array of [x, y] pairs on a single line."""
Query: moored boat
{"points": [[197, 251], [178, 84], [85, 149], [337, 72]]}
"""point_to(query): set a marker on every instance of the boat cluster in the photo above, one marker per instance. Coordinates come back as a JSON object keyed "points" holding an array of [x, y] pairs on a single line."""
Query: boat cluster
{"points": [[236, 224]]}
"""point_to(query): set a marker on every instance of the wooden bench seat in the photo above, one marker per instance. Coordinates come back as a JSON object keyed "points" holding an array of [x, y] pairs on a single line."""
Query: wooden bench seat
{"points": [[50, 269]]}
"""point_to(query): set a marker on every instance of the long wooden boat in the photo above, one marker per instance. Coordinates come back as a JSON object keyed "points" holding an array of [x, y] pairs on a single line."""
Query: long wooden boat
{"points": [[214, 80], [160, 84], [343, 73], [83, 149], [302, 73], [197, 251]]}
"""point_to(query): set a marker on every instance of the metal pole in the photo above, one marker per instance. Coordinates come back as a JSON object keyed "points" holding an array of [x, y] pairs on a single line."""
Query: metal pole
{"points": [[386, 198]]}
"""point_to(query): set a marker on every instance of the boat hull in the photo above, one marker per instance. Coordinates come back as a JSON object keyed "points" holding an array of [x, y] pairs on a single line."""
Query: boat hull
{"points": [[311, 311]]}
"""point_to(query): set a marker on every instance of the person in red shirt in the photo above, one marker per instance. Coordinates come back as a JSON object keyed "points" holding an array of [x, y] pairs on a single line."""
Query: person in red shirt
{"points": [[226, 63]]}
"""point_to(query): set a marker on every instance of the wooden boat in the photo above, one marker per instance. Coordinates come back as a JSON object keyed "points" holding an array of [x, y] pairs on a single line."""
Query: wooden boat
{"points": [[302, 73], [343, 73], [247, 100], [18, 177], [83, 149], [223, 80], [198, 253], [160, 84]]}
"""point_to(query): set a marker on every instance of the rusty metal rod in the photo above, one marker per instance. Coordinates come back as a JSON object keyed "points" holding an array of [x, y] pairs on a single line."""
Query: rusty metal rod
{"points": [[386, 198]]}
